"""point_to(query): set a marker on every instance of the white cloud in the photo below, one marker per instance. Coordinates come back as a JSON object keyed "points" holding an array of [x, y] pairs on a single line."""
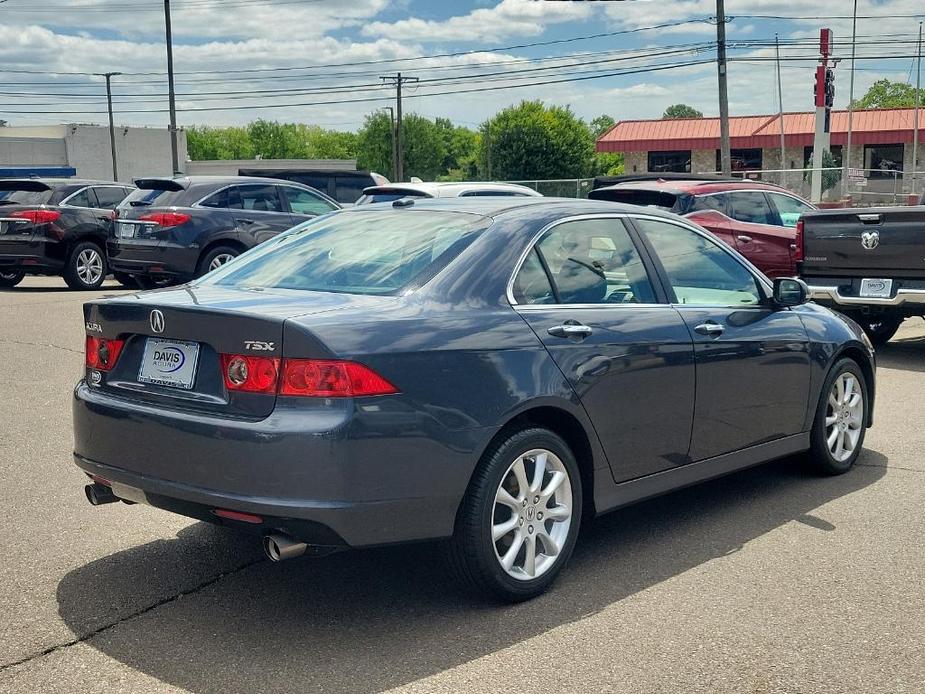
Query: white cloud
{"points": [[642, 89], [507, 18]]}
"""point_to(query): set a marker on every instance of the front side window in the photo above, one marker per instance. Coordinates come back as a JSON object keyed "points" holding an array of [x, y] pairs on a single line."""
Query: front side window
{"points": [[751, 207], [304, 202], [363, 252], [591, 261], [699, 270], [260, 198], [789, 209]]}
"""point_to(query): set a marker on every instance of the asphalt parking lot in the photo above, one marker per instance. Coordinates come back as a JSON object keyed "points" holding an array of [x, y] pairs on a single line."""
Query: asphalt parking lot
{"points": [[771, 580]]}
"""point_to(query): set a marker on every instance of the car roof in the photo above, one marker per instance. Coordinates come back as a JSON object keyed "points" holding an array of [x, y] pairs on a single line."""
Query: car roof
{"points": [[435, 188], [191, 180], [490, 206], [694, 186], [61, 182]]}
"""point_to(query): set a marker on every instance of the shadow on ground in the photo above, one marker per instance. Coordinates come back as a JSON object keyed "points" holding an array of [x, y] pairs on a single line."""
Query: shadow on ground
{"points": [[367, 621], [907, 354]]}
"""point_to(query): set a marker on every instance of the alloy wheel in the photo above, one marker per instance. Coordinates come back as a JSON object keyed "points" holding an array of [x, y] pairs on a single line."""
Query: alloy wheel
{"points": [[220, 260], [844, 416], [532, 514], [89, 266]]}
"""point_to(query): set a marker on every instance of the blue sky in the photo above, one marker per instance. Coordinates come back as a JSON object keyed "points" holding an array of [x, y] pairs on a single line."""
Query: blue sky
{"points": [[318, 61]]}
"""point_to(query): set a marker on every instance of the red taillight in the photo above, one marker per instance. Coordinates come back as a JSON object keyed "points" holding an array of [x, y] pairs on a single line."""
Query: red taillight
{"points": [[237, 515], [102, 353], [797, 246], [165, 219], [319, 378], [37, 216], [244, 373]]}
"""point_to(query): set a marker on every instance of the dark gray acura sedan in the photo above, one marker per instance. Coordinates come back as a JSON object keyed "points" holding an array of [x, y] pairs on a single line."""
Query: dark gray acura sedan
{"points": [[490, 371]]}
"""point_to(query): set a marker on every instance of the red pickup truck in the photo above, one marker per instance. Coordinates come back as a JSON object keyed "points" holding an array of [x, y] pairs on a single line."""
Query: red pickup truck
{"points": [[757, 219]]}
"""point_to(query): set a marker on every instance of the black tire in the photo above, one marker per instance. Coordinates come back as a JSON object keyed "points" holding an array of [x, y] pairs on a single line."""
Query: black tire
{"points": [[81, 255], [881, 329], [11, 279], [472, 554], [219, 251], [821, 457], [125, 280]]}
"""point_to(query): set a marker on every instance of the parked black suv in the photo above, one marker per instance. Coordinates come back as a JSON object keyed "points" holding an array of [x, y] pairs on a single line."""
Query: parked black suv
{"points": [[54, 226], [344, 186], [175, 229]]}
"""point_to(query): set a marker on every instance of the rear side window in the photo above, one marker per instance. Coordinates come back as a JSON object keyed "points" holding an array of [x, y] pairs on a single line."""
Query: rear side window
{"points": [[710, 202], [260, 198], [751, 207], [82, 198], [350, 188], [305, 202], [227, 199], [531, 286], [699, 270], [109, 197], [370, 252]]}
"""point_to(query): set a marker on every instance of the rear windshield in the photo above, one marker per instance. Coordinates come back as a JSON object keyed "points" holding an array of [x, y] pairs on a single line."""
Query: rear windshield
{"points": [[24, 197], [390, 196], [375, 252], [645, 198], [156, 197]]}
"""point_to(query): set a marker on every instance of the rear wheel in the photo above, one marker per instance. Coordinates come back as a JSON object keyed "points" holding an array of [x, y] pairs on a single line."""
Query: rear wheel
{"points": [[86, 266], [11, 279], [841, 417], [215, 258], [518, 522], [880, 329]]}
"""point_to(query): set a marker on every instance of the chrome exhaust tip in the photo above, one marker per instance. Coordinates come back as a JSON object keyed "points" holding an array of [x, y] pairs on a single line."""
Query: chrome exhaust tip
{"points": [[279, 547], [99, 494]]}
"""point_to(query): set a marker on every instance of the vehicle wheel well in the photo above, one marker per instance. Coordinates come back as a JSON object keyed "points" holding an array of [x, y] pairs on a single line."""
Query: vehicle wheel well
{"points": [[856, 354], [98, 241], [230, 243], [571, 430]]}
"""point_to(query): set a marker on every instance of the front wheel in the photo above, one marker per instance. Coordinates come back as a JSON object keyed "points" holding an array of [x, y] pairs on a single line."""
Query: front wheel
{"points": [[86, 266], [841, 419], [517, 525], [11, 279]]}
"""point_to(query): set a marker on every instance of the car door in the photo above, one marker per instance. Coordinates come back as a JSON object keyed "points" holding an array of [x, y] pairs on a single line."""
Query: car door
{"points": [[710, 212], [759, 235], [589, 296], [304, 204], [752, 359], [262, 214]]}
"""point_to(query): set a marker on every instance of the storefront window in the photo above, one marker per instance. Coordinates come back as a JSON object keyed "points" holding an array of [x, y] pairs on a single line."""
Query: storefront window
{"points": [[678, 161]]}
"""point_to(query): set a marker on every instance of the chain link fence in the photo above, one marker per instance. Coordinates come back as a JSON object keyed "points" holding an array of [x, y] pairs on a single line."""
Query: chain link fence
{"points": [[560, 187]]}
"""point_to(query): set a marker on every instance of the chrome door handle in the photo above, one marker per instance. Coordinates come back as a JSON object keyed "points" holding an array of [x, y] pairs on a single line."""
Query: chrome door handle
{"points": [[744, 239], [711, 329], [570, 330]]}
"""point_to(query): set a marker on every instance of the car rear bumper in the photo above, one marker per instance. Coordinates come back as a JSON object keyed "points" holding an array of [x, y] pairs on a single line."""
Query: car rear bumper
{"points": [[832, 295], [330, 475], [29, 259], [154, 259]]}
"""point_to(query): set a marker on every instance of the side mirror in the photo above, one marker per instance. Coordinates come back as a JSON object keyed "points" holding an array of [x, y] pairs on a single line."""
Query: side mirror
{"points": [[790, 291]]}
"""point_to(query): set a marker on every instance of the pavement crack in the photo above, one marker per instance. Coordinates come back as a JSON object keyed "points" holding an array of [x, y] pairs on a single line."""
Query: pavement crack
{"points": [[39, 344], [890, 467], [144, 610]]}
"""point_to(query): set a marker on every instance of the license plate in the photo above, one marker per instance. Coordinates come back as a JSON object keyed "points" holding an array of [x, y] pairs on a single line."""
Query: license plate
{"points": [[876, 289], [169, 363], [124, 230]]}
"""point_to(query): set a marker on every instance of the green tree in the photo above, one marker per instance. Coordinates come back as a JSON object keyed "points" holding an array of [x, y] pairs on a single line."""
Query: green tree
{"points": [[601, 125], [205, 142], [533, 141], [273, 140], [887, 94], [424, 146], [682, 111]]}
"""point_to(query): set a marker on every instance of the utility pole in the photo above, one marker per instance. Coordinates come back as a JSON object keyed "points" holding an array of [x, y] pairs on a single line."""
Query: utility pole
{"points": [[918, 100], [112, 127], [725, 155], [397, 80], [825, 95], [780, 111], [175, 158], [392, 139], [846, 156]]}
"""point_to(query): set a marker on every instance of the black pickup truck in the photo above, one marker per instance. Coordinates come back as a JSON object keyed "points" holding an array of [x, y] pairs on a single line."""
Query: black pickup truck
{"points": [[867, 263]]}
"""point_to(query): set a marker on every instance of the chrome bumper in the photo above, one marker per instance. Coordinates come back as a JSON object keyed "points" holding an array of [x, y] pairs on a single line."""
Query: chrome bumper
{"points": [[832, 295]]}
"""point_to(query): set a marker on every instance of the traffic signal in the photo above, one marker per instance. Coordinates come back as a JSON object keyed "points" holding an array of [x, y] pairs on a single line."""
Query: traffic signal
{"points": [[829, 87]]}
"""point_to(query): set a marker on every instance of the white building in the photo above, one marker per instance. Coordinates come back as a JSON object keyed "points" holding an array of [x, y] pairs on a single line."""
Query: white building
{"points": [[85, 148]]}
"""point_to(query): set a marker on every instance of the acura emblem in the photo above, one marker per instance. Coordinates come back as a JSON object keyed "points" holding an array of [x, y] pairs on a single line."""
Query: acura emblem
{"points": [[870, 240], [157, 321]]}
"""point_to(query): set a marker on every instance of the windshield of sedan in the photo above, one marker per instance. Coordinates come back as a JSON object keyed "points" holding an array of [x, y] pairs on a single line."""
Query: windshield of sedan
{"points": [[377, 252]]}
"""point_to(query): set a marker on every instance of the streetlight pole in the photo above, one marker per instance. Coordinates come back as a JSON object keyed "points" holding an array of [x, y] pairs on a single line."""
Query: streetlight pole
{"points": [[725, 155], [394, 143], [175, 158], [846, 158], [112, 127]]}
